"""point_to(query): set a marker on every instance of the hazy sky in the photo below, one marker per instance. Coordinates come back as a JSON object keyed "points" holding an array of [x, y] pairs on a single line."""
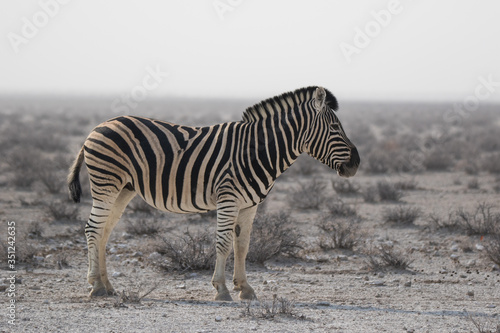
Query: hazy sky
{"points": [[432, 50]]}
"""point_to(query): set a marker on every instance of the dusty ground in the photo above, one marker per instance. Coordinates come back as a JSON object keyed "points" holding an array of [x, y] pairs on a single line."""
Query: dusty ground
{"points": [[450, 278]]}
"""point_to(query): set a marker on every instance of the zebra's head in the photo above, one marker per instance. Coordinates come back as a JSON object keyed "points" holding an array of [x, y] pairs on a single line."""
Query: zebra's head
{"points": [[326, 140]]}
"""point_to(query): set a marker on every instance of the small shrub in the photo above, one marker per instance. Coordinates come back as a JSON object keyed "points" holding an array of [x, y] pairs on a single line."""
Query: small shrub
{"points": [[481, 222], [473, 184], [386, 256], [438, 160], [25, 250], [388, 192], [342, 234], [279, 306], [492, 164], [22, 166], [144, 226], [35, 230], [340, 209], [273, 235], [370, 194], [344, 186], [406, 185], [132, 296], [188, 252], [51, 173], [62, 211], [436, 222], [493, 249], [486, 326], [401, 215], [310, 195], [378, 162]]}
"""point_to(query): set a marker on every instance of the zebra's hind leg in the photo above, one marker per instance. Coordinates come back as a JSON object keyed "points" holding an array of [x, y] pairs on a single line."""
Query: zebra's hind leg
{"points": [[103, 219], [242, 231]]}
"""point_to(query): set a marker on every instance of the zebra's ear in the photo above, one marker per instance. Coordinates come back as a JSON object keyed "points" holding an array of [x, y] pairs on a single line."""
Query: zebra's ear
{"points": [[319, 99]]}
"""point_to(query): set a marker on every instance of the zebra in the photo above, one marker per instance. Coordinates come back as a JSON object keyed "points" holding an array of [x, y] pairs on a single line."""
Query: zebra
{"points": [[230, 167]]}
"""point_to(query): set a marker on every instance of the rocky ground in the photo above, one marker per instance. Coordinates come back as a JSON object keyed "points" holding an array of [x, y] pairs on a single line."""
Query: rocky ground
{"points": [[429, 269]]}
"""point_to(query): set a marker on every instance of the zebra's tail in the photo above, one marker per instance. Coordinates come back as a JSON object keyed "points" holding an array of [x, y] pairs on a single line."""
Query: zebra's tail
{"points": [[75, 189]]}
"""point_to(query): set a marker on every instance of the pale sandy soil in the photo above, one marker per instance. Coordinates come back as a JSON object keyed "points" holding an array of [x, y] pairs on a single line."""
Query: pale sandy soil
{"points": [[449, 278]]}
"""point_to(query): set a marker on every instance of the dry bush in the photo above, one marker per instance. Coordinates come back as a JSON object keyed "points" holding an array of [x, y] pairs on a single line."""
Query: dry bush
{"points": [[272, 235], [492, 164], [188, 252], [370, 194], [22, 166], [345, 187], [493, 248], [486, 326], [401, 215], [386, 256], [340, 209], [437, 223], [34, 230], [473, 184], [310, 195], [132, 296], [388, 192], [52, 173], [378, 162], [62, 211], [480, 222], [279, 306], [339, 234], [143, 226], [406, 185], [438, 160], [25, 251]]}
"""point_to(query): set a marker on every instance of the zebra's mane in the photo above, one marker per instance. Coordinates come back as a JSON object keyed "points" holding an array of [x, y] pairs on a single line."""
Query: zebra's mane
{"points": [[268, 107]]}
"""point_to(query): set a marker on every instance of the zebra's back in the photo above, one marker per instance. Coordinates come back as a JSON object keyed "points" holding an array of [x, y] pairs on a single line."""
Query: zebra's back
{"points": [[172, 167]]}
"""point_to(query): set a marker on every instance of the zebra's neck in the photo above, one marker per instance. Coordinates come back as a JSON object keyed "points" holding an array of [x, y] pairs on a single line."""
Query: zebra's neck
{"points": [[273, 143]]}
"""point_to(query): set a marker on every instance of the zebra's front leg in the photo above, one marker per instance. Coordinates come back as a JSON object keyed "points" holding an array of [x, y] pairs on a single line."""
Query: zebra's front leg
{"points": [[227, 213], [242, 231]]}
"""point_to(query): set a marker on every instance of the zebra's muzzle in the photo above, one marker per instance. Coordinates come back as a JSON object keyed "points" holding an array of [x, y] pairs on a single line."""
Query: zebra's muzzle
{"points": [[349, 169]]}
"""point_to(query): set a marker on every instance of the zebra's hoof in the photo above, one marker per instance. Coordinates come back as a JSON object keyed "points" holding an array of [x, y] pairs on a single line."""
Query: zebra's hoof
{"points": [[224, 296], [248, 294], [101, 291]]}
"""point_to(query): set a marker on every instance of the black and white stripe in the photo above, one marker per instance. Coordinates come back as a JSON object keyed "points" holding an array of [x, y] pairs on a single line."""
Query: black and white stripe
{"points": [[229, 167]]}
